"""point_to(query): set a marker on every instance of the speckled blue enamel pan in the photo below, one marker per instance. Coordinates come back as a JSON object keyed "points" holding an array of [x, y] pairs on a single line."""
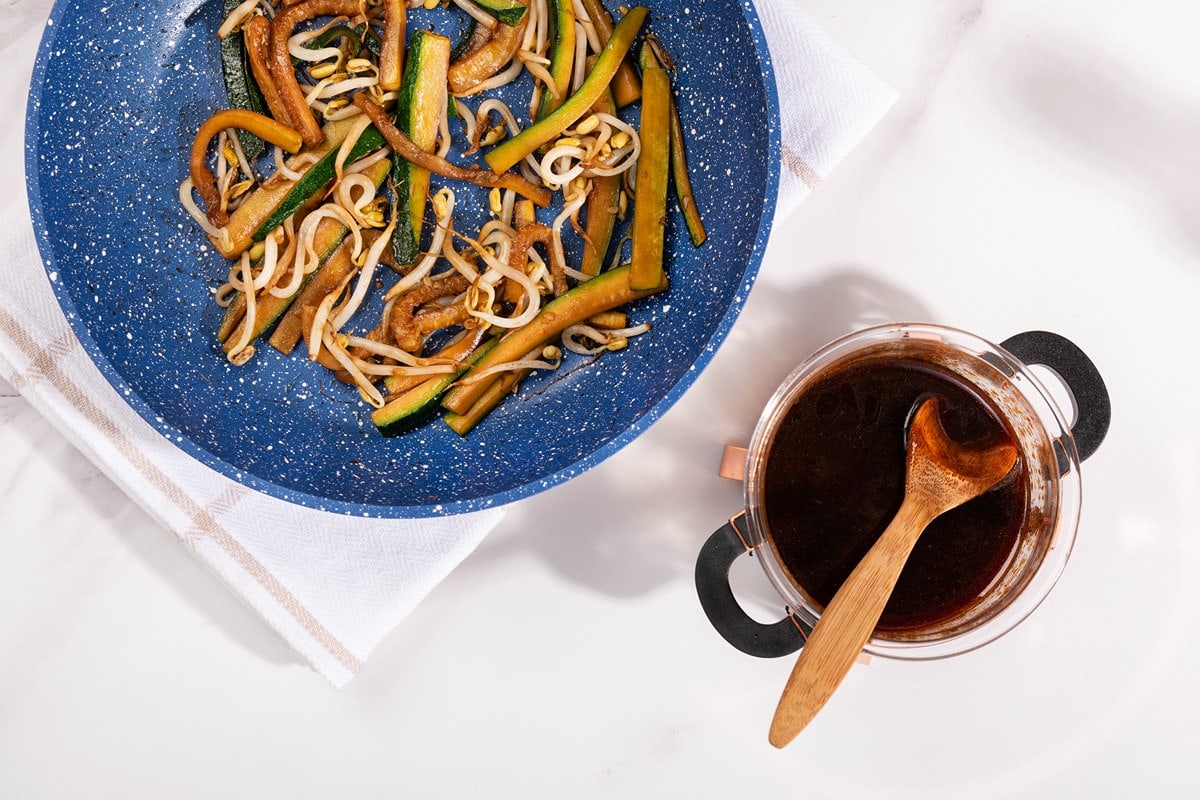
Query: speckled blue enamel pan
{"points": [[117, 94]]}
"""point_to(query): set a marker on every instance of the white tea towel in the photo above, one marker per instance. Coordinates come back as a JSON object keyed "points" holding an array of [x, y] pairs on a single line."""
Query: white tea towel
{"points": [[332, 586], [827, 100]]}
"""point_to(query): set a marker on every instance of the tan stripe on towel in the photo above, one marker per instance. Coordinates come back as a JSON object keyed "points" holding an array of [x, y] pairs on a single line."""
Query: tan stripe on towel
{"points": [[799, 167], [44, 360]]}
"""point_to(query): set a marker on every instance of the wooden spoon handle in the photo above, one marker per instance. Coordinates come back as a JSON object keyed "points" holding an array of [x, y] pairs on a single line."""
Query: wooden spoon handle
{"points": [[847, 623]]}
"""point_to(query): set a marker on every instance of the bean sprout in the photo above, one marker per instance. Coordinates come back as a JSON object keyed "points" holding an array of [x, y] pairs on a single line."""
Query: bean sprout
{"points": [[364, 278], [476, 13], [425, 266], [236, 17]]}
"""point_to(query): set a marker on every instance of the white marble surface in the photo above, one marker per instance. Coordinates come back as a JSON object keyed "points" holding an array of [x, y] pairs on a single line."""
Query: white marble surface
{"points": [[1038, 172]]}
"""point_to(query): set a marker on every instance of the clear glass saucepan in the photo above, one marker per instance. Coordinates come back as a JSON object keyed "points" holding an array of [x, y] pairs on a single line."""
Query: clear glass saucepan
{"points": [[1052, 442]]}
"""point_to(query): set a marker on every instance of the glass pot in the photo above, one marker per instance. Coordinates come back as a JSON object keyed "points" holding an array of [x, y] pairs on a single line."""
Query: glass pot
{"points": [[1051, 443]]}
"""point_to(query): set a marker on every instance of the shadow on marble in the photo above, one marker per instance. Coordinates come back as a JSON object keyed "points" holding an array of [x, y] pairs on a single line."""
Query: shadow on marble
{"points": [[143, 536], [623, 532], [1100, 111]]}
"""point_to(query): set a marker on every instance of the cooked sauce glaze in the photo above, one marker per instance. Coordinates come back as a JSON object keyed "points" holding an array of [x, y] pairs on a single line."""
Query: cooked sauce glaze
{"points": [[834, 479]]}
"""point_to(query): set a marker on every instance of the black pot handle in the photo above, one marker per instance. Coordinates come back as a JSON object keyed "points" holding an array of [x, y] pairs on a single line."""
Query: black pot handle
{"points": [[1079, 374], [738, 628]]}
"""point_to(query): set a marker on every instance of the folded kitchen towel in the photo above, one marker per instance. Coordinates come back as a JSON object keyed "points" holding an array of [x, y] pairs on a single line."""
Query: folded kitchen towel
{"points": [[332, 586], [827, 100]]}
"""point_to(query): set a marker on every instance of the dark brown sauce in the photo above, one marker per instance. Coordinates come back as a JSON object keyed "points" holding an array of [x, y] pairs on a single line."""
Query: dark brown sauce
{"points": [[834, 479]]}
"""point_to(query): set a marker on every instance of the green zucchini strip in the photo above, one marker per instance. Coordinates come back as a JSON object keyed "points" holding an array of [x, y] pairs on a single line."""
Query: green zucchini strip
{"points": [[317, 178], [419, 108], [510, 12], [626, 87], [562, 55], [329, 234], [240, 88], [509, 153], [492, 397], [653, 170], [680, 175], [603, 293], [410, 408]]}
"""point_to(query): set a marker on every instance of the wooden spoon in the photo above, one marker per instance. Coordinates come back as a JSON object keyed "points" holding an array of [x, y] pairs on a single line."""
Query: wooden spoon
{"points": [[939, 475]]}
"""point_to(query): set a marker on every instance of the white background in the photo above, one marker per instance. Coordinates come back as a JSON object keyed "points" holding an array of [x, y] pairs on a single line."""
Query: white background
{"points": [[1039, 171]]}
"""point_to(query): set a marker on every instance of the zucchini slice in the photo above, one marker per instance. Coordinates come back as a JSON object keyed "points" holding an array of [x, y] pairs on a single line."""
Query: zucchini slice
{"points": [[653, 170], [510, 12], [626, 86], [326, 239], [603, 293], [240, 88], [260, 207], [318, 177], [561, 19], [509, 153], [462, 424], [410, 408], [419, 108]]}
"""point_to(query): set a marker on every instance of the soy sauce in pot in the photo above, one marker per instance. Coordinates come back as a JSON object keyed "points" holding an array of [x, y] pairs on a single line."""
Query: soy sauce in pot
{"points": [[834, 479]]}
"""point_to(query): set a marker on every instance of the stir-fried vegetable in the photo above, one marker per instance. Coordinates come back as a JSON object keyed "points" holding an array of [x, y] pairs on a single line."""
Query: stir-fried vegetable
{"points": [[405, 147], [391, 54], [505, 156], [263, 127], [349, 246], [603, 206], [240, 86], [650, 212], [281, 64], [561, 29], [419, 108], [625, 84], [470, 72], [602, 293], [510, 12], [679, 168]]}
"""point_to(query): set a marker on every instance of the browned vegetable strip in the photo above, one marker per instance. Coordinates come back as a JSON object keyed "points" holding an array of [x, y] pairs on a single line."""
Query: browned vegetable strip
{"points": [[492, 397], [602, 293], [679, 168], [602, 207], [523, 213], [330, 275], [457, 352], [406, 326], [650, 210], [257, 35], [509, 153], [484, 62], [683, 181], [391, 53], [263, 127], [625, 85], [404, 147], [281, 61], [518, 259], [262, 203]]}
